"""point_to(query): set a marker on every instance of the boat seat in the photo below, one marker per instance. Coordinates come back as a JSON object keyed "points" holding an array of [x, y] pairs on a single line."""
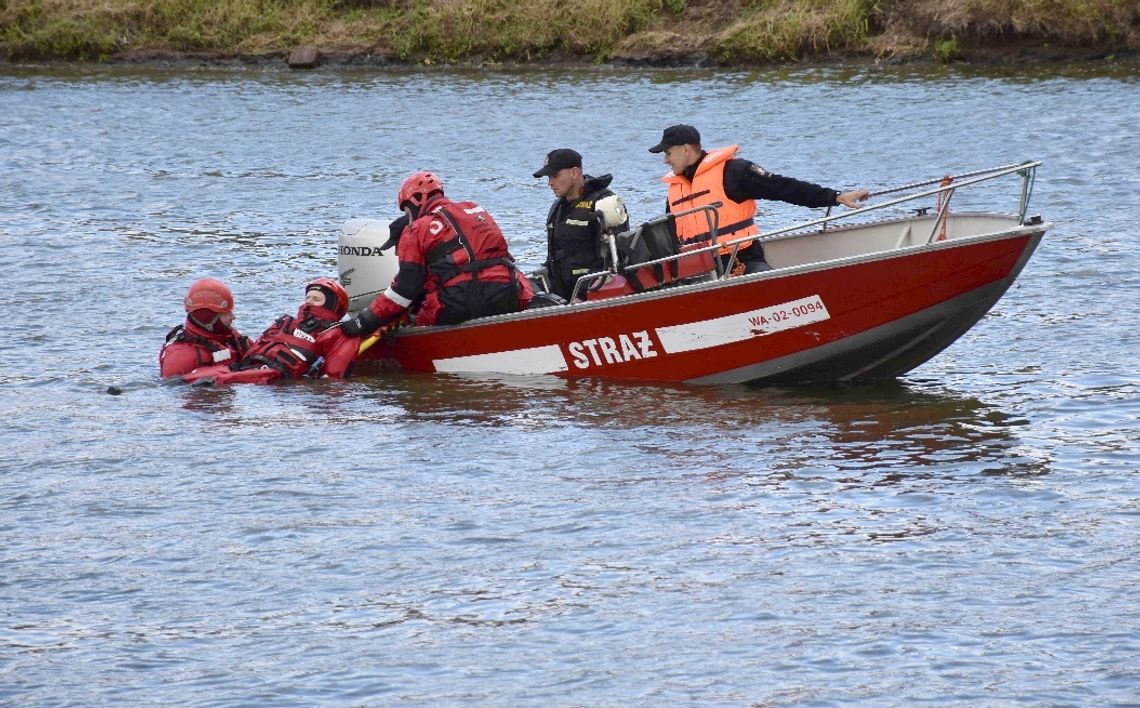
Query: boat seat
{"points": [[653, 240]]}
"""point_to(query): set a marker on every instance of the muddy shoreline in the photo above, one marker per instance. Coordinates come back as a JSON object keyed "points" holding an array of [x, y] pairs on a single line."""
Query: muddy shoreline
{"points": [[311, 56]]}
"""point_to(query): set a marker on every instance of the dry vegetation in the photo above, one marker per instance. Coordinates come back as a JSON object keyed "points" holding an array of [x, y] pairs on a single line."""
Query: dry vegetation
{"points": [[651, 31]]}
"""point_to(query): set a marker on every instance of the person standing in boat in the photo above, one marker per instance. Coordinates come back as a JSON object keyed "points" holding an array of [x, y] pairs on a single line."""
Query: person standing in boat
{"points": [[699, 178], [454, 264], [207, 336], [573, 225]]}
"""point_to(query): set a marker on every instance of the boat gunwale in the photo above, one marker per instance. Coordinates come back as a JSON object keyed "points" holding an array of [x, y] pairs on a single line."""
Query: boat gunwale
{"points": [[1017, 230], [947, 186]]}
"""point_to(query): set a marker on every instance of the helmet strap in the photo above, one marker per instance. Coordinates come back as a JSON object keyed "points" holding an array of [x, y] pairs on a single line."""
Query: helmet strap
{"points": [[208, 326]]}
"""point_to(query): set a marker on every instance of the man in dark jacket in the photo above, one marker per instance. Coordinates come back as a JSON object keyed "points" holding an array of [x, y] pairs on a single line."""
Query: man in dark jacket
{"points": [[699, 178], [573, 226]]}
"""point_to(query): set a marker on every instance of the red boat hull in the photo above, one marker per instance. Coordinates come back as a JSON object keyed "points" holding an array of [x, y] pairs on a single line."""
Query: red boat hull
{"points": [[875, 317]]}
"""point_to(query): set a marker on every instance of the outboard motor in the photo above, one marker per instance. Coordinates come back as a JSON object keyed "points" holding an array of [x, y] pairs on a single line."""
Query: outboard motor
{"points": [[364, 271]]}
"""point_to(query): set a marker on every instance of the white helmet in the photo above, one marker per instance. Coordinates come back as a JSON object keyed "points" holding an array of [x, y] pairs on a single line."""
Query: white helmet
{"points": [[613, 212]]}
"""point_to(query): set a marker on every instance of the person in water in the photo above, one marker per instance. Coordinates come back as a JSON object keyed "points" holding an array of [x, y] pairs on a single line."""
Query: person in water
{"points": [[208, 336], [293, 345], [454, 264], [573, 225], [290, 345], [700, 178]]}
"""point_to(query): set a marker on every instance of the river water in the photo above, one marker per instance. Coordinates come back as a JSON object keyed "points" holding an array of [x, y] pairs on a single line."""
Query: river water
{"points": [[966, 535]]}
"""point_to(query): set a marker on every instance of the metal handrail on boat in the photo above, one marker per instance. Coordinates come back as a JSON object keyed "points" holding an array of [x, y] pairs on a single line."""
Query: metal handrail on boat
{"points": [[712, 217], [944, 181], [947, 186], [1027, 171]]}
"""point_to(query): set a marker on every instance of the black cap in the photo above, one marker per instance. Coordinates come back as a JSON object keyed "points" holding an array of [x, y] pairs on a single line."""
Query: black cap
{"points": [[559, 160], [395, 230], [677, 135]]}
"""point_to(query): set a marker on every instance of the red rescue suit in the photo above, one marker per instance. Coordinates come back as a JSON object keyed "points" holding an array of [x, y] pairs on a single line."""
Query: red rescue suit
{"points": [[290, 345], [454, 261], [287, 349], [189, 346]]}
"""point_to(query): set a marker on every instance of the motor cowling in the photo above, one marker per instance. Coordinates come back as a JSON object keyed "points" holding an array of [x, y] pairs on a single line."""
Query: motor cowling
{"points": [[363, 270]]}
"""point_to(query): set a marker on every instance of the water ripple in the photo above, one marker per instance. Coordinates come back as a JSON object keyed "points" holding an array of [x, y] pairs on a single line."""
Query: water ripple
{"points": [[962, 536]]}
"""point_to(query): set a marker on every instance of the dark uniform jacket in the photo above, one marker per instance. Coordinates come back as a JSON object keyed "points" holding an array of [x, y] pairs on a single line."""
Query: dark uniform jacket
{"points": [[744, 179], [573, 236]]}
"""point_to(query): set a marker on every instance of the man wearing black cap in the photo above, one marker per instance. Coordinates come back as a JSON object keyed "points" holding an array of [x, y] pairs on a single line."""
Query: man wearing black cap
{"points": [[699, 178], [573, 227]]}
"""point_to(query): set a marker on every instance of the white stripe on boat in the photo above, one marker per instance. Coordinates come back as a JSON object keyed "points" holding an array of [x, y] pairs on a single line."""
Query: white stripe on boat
{"points": [[705, 334], [535, 360]]}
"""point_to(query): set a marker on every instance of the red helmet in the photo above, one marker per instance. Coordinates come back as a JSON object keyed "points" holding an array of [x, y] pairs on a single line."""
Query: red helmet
{"points": [[336, 299], [209, 294], [416, 190]]}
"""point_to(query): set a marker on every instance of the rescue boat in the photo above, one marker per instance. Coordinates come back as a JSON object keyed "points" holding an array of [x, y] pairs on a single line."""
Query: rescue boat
{"points": [[869, 293]]}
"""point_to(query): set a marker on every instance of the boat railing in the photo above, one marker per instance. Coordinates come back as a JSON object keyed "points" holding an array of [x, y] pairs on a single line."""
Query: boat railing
{"points": [[650, 238], [943, 192]]}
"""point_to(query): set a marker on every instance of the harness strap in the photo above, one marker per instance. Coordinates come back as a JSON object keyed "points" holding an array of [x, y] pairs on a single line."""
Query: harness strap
{"points": [[690, 197], [442, 250], [460, 238], [728, 229], [473, 266], [218, 353]]}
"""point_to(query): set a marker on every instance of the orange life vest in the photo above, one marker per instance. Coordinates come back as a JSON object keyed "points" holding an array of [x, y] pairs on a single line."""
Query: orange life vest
{"points": [[736, 218]]}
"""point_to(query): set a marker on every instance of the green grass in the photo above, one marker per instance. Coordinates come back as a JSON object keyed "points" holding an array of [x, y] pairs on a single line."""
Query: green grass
{"points": [[946, 51], [498, 29], [792, 29], [735, 31]]}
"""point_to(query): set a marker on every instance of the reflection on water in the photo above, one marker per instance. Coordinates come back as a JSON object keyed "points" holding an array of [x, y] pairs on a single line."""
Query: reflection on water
{"points": [[882, 429], [899, 429]]}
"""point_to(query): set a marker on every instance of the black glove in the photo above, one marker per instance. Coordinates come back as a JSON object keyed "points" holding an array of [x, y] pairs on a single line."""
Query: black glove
{"points": [[395, 229], [366, 322]]}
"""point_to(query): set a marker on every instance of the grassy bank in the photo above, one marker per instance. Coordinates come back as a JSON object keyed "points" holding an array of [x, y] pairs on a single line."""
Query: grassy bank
{"points": [[648, 31]]}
